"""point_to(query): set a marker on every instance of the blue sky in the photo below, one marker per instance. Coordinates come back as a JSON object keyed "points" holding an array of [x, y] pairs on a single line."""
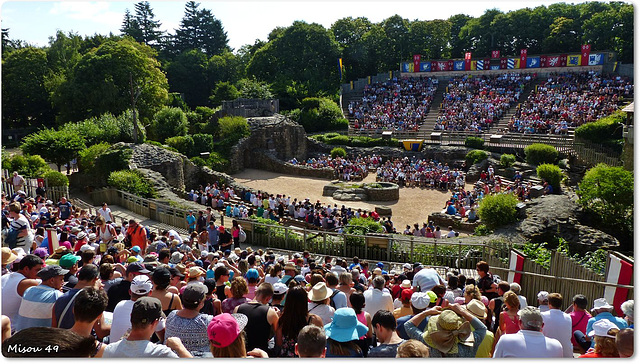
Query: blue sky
{"points": [[244, 21]]}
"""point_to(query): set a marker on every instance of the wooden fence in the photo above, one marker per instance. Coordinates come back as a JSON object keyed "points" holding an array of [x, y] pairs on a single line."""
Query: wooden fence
{"points": [[564, 276], [53, 192], [592, 154]]}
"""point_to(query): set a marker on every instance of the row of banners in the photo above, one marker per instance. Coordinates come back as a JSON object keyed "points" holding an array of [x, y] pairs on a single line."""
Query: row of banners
{"points": [[496, 62]]}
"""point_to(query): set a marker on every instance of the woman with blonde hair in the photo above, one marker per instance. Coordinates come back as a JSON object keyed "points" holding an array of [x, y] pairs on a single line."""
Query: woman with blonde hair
{"points": [[471, 292], [509, 317]]}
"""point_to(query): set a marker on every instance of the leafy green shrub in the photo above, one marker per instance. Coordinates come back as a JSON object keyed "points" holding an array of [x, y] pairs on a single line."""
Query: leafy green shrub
{"points": [[482, 230], [595, 261], [507, 160], [201, 143], [183, 144], [498, 210], [474, 142], [55, 178], [96, 129], [539, 153], [87, 158], [233, 126], [609, 127], [331, 135], [320, 113], [154, 143], [217, 162], [538, 253], [26, 165], [198, 161], [476, 156], [319, 137], [550, 173], [338, 152], [169, 122], [114, 159], [56, 146], [362, 226], [222, 92], [132, 182]]}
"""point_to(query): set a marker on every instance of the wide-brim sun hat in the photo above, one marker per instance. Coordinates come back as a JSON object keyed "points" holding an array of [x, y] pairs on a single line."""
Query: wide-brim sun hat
{"points": [[345, 326], [477, 309], [446, 330], [319, 292]]}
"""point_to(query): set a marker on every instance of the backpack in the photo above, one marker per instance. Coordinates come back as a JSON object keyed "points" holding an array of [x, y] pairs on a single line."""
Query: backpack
{"points": [[331, 302], [12, 238], [242, 236]]}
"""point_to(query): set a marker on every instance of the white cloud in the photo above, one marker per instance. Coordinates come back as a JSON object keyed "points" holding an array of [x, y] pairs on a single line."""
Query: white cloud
{"points": [[94, 12]]}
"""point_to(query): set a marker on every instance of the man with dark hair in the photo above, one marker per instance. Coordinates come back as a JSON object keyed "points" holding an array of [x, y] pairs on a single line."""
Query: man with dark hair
{"points": [[338, 298], [557, 324], [88, 307], [14, 284], [120, 291], [261, 318], [579, 319], [624, 343], [36, 308], [312, 342], [495, 305], [164, 255], [63, 317], [146, 313], [384, 326]]}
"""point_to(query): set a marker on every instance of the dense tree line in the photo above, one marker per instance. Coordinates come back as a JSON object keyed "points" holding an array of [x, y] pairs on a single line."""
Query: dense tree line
{"points": [[75, 77]]}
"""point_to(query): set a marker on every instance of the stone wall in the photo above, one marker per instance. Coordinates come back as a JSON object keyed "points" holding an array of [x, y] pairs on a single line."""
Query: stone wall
{"points": [[458, 223], [388, 192], [275, 135]]}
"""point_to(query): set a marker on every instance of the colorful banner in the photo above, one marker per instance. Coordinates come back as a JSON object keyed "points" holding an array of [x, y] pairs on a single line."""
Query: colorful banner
{"points": [[620, 272], [495, 54], [586, 50], [443, 65], [553, 61], [459, 66], [416, 62], [563, 60], [434, 66], [473, 65], [533, 62], [340, 65], [494, 67], [573, 60], [487, 63], [596, 59], [523, 58], [425, 66], [543, 61], [467, 61], [479, 64], [450, 65], [503, 63], [513, 63], [52, 240], [407, 67], [516, 262]]}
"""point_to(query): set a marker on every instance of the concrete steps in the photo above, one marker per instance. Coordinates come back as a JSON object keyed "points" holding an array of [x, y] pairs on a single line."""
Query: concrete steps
{"points": [[430, 120], [503, 122]]}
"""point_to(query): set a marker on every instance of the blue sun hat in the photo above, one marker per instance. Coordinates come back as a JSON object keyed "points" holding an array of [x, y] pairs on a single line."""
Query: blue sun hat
{"points": [[345, 326]]}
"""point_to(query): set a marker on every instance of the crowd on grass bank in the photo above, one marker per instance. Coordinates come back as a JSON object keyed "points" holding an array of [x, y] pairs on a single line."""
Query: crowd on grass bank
{"points": [[569, 100], [398, 104]]}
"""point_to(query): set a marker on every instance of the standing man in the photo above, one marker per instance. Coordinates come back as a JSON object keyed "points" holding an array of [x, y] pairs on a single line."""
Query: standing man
{"points": [[41, 190], [557, 324], [17, 181], [202, 222], [64, 208], [191, 222], [137, 235], [261, 318], [36, 308], [529, 342], [105, 212], [213, 235]]}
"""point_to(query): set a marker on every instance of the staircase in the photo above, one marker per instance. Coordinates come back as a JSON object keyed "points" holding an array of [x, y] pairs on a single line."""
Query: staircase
{"points": [[434, 110], [347, 98], [502, 123]]}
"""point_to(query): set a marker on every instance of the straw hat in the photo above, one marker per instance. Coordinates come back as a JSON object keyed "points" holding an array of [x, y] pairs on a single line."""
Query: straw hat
{"points": [[406, 284], [319, 292], [477, 309], [196, 271], [7, 256], [446, 330]]}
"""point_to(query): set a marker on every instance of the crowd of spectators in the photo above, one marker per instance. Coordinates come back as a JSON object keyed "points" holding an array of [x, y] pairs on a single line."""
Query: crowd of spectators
{"points": [[474, 103], [569, 100], [414, 172], [346, 169], [398, 104]]}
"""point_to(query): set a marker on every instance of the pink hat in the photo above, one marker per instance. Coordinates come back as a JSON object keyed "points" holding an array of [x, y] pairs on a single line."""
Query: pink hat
{"points": [[66, 244], [224, 329], [459, 300], [484, 300]]}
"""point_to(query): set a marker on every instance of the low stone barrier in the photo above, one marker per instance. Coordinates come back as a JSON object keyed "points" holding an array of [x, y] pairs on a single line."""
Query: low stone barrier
{"points": [[457, 222], [339, 190]]}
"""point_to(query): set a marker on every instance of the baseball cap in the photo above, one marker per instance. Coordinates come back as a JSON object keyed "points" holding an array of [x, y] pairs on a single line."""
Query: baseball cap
{"points": [[543, 296], [280, 288], [194, 293], [141, 285], [135, 248], [420, 300], [175, 272], [136, 267], [602, 327], [417, 265], [252, 273], [299, 278], [68, 260], [531, 316], [146, 310], [225, 328], [406, 294], [51, 271], [161, 276], [407, 266]]}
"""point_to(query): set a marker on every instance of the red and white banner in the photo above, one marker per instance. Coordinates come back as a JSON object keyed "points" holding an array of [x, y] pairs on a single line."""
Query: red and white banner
{"points": [[503, 63], [487, 63], [467, 61], [523, 58], [586, 49], [442, 65], [416, 63], [495, 54], [620, 272], [450, 65], [543, 61], [516, 262], [563, 60], [434, 66], [52, 239]]}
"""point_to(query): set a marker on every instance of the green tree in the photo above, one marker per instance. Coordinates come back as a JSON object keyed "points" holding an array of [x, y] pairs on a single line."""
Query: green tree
{"points": [[250, 88], [430, 38], [224, 67], [458, 44], [131, 27], [199, 29], [57, 147], [24, 96], [9, 45], [150, 32], [169, 122], [100, 82], [187, 74], [480, 33], [222, 92], [498, 210], [349, 33]]}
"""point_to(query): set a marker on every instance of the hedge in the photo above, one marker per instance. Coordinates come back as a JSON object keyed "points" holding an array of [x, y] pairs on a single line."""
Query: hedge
{"points": [[338, 152], [498, 210], [605, 128], [354, 141], [507, 160], [55, 178], [132, 182], [539, 153], [476, 156], [474, 142], [550, 173]]}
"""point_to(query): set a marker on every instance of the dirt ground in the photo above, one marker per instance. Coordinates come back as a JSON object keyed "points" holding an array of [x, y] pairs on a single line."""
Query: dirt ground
{"points": [[414, 205]]}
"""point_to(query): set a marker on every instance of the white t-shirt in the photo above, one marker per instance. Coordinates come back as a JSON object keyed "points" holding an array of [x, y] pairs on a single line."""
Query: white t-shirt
{"points": [[122, 320], [527, 344], [558, 325], [324, 311], [426, 279], [137, 349], [376, 300], [105, 213]]}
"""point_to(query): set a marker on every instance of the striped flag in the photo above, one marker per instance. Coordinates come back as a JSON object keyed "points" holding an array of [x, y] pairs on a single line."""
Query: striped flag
{"points": [[620, 272], [513, 63], [516, 262], [479, 64], [52, 238]]}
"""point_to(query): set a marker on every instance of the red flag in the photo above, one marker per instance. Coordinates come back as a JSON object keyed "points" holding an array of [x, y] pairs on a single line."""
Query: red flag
{"points": [[503, 63], [586, 49], [563, 60], [416, 63], [52, 237], [467, 61], [442, 65], [487, 63], [495, 54], [543, 61], [523, 58], [434, 66], [450, 65], [553, 61]]}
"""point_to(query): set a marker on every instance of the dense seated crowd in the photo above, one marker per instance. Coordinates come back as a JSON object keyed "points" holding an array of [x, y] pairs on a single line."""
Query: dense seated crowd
{"points": [[346, 169], [420, 173], [139, 295], [398, 104], [569, 100], [474, 103]]}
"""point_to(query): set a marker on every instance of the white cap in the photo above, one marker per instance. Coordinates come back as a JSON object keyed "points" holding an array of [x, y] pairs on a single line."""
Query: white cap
{"points": [[141, 285], [280, 288], [543, 296], [420, 300], [602, 327]]}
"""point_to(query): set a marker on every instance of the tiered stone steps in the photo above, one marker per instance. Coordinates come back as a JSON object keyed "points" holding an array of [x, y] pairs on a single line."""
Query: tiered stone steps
{"points": [[430, 119]]}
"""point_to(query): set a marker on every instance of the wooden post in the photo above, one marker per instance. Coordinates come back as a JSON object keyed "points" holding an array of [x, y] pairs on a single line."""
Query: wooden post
{"points": [[459, 254], [304, 238], [411, 251]]}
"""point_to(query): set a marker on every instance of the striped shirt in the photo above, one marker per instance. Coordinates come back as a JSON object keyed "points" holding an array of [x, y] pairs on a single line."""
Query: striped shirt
{"points": [[36, 307]]}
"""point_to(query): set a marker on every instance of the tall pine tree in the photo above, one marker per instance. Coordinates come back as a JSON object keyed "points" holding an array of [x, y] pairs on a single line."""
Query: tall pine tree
{"points": [[142, 26], [200, 30]]}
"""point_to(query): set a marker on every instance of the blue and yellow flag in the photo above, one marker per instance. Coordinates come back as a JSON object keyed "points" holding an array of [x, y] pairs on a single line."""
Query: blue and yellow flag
{"points": [[340, 65], [574, 60]]}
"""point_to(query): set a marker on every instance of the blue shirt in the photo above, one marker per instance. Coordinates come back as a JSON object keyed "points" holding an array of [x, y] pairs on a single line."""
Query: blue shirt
{"points": [[213, 235], [400, 326], [618, 321], [191, 220], [451, 210], [36, 307], [69, 319]]}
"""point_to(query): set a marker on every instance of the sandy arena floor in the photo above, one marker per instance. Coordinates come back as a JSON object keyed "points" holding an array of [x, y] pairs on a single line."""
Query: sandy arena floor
{"points": [[414, 205]]}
